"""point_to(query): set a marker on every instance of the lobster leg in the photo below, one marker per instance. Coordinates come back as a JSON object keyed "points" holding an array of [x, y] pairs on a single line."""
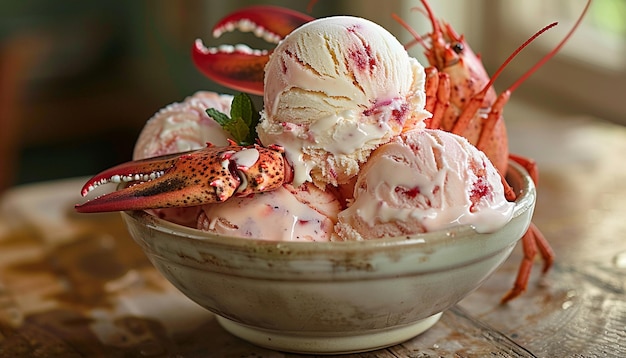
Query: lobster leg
{"points": [[544, 248], [532, 242], [468, 113], [431, 90], [523, 274], [529, 164], [494, 116], [437, 96], [509, 193]]}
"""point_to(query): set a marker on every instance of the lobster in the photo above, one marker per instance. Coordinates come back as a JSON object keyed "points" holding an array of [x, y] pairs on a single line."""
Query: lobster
{"points": [[459, 94], [461, 97]]}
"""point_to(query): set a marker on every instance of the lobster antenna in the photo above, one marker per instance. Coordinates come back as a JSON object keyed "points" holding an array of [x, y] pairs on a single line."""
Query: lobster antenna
{"points": [[431, 16], [310, 5], [511, 56], [551, 54], [417, 38]]}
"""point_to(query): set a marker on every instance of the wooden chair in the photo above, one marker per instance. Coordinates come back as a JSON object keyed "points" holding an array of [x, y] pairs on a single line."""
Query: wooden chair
{"points": [[18, 54]]}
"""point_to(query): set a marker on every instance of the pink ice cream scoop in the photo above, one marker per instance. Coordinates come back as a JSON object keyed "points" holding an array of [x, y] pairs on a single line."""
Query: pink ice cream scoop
{"points": [[306, 213], [422, 181]]}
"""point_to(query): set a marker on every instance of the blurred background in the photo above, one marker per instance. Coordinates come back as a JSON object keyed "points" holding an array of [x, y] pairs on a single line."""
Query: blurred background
{"points": [[78, 79]]}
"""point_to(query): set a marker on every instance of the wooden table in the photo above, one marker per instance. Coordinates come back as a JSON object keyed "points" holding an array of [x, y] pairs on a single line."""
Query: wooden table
{"points": [[77, 285]]}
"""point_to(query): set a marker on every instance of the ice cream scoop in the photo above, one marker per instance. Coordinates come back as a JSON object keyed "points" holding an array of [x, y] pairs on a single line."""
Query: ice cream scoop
{"points": [[422, 181], [306, 213], [335, 89], [183, 126]]}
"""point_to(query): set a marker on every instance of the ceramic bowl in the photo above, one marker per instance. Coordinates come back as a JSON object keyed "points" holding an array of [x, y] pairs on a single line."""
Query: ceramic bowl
{"points": [[332, 297]]}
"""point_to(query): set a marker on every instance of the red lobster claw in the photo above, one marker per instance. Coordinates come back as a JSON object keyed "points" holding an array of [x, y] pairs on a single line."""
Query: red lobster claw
{"points": [[240, 67], [208, 175]]}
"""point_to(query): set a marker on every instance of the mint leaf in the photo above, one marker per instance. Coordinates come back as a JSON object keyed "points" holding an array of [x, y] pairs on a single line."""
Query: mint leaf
{"points": [[243, 109], [241, 124], [221, 118], [235, 127]]}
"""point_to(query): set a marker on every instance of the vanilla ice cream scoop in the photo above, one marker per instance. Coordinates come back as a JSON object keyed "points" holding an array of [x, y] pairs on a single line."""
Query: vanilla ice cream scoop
{"points": [[422, 181], [335, 89]]}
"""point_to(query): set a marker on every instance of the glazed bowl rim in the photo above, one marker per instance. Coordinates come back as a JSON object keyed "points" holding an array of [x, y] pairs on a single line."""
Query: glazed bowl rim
{"points": [[525, 201]]}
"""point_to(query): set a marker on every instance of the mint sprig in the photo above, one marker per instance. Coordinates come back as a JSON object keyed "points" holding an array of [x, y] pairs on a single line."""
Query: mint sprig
{"points": [[241, 124]]}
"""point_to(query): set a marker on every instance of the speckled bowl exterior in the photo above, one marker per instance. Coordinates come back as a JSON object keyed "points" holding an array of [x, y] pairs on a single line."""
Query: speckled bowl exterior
{"points": [[332, 297]]}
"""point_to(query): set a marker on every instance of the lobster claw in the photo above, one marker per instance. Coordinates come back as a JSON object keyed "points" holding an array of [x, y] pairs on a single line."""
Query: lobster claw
{"points": [[204, 176], [240, 67]]}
